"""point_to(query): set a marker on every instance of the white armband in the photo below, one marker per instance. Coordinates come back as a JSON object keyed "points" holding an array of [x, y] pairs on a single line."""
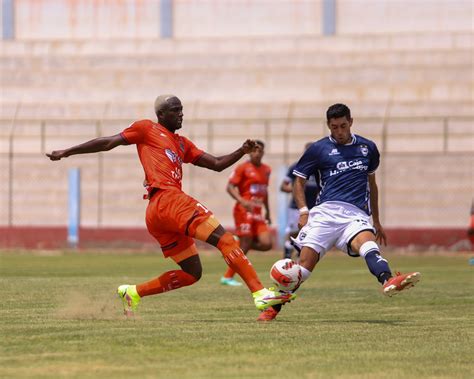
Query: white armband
{"points": [[304, 210]]}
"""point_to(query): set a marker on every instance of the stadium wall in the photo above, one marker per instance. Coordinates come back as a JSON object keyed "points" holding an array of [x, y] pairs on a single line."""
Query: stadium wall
{"points": [[131, 19], [36, 237], [404, 68]]}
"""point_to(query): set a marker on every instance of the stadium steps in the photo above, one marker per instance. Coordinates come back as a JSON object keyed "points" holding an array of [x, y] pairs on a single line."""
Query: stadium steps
{"points": [[419, 67], [366, 42], [77, 90], [237, 60], [274, 84], [205, 111]]}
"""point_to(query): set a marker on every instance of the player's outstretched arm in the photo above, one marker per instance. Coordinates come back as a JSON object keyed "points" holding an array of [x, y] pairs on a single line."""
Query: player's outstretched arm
{"points": [[374, 205], [300, 200], [92, 146], [221, 163]]}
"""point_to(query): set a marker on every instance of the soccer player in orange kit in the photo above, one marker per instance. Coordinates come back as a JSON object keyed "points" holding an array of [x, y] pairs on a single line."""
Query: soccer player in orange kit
{"points": [[173, 217], [248, 185]]}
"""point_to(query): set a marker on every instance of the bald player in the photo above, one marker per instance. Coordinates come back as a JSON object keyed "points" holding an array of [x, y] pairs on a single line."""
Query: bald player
{"points": [[174, 218]]}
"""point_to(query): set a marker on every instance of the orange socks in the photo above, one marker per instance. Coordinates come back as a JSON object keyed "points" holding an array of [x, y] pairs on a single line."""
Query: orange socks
{"points": [[238, 262], [229, 273], [169, 281]]}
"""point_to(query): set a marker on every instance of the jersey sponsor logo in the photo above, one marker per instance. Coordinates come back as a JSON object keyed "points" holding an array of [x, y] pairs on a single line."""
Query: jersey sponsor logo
{"points": [[334, 152], [348, 165], [258, 189], [364, 150], [177, 174], [173, 157]]}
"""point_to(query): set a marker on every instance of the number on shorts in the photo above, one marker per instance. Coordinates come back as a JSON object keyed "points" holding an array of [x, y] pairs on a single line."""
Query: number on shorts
{"points": [[245, 228], [203, 207]]}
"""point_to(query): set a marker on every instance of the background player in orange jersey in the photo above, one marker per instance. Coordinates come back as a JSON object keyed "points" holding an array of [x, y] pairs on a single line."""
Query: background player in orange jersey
{"points": [[248, 185], [173, 217]]}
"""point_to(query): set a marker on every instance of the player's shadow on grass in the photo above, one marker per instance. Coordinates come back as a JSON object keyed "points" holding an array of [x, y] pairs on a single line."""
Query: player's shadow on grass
{"points": [[382, 322], [282, 320], [318, 321]]}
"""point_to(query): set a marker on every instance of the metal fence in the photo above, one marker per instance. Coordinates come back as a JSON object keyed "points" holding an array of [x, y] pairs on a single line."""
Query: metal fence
{"points": [[425, 177]]}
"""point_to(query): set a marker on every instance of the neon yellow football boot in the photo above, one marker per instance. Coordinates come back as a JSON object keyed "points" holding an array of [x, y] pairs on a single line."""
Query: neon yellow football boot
{"points": [[130, 298], [267, 297]]}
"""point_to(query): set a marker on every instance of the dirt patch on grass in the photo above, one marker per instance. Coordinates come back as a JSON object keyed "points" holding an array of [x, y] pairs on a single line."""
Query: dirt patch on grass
{"points": [[78, 306]]}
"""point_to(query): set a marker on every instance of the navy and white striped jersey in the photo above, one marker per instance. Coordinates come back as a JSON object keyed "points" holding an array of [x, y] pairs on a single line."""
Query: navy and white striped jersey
{"points": [[343, 169]]}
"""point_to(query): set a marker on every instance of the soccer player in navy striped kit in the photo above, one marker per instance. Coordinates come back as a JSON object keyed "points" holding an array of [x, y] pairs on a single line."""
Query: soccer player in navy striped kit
{"points": [[345, 164]]}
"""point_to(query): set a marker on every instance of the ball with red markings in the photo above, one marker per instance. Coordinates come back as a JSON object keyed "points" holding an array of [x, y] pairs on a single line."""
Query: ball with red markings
{"points": [[286, 274]]}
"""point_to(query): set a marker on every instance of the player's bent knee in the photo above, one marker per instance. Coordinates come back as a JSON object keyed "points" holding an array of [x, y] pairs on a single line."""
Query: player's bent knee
{"points": [[308, 258], [197, 275], [189, 278], [265, 246], [227, 241], [194, 272]]}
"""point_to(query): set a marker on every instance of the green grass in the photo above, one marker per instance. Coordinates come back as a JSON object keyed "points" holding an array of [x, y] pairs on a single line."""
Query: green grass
{"points": [[60, 318]]}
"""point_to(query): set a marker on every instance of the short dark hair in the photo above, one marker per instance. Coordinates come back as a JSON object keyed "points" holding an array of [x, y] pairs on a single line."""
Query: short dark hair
{"points": [[338, 110], [260, 142]]}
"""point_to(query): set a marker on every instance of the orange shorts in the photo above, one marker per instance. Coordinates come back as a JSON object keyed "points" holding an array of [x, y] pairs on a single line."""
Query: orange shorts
{"points": [[172, 217], [248, 224]]}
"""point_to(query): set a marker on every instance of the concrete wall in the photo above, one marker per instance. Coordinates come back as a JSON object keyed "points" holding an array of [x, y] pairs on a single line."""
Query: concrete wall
{"points": [[214, 18], [403, 16], [425, 179], [84, 19], [131, 19]]}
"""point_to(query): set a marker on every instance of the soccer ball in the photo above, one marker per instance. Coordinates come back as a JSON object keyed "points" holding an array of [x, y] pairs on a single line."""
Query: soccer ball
{"points": [[286, 274]]}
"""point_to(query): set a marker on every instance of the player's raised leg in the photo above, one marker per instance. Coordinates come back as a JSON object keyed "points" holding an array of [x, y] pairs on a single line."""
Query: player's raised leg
{"points": [[213, 233], [228, 278], [261, 241], [308, 260], [190, 273], [364, 244]]}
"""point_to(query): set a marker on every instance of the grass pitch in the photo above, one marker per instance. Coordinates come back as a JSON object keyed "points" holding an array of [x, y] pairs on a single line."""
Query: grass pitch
{"points": [[61, 318]]}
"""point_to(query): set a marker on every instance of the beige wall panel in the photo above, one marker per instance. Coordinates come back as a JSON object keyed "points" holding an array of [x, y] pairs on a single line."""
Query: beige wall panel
{"points": [[83, 19], [400, 16], [217, 18]]}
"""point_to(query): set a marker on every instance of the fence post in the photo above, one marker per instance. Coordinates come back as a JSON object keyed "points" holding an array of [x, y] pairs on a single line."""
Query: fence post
{"points": [[445, 135], [282, 201], [11, 155], [100, 178], [74, 206], [8, 19], [166, 18], [329, 17]]}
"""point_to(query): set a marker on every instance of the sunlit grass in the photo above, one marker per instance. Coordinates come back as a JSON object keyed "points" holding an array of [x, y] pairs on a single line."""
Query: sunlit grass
{"points": [[60, 318]]}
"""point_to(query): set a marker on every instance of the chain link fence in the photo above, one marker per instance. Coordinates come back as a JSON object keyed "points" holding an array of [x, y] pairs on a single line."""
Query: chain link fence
{"points": [[425, 177]]}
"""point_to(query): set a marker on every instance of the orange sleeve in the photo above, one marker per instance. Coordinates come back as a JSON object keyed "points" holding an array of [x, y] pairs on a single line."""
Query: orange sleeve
{"points": [[191, 152], [237, 175], [135, 133]]}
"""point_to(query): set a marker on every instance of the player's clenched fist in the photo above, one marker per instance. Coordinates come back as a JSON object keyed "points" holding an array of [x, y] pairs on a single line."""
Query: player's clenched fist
{"points": [[57, 155], [249, 146]]}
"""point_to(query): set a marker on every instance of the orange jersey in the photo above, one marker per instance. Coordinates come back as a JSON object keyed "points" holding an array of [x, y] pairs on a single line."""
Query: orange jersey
{"points": [[161, 153], [252, 181]]}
